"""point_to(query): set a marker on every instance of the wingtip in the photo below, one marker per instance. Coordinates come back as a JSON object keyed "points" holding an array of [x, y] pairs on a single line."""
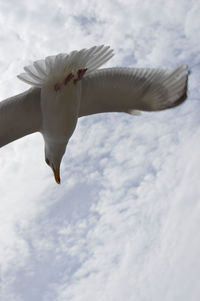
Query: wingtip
{"points": [[184, 95]]}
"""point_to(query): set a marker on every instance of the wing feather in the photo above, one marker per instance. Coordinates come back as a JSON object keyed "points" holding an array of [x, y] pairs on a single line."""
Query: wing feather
{"points": [[19, 116], [128, 89]]}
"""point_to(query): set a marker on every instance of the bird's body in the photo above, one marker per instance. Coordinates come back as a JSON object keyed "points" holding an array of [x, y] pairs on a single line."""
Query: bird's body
{"points": [[70, 86], [60, 109]]}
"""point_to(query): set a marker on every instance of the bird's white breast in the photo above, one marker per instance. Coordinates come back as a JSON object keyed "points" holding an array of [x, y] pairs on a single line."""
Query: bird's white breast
{"points": [[60, 111]]}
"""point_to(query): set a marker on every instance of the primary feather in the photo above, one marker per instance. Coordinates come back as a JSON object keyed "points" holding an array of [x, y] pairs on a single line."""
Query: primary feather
{"points": [[129, 89]]}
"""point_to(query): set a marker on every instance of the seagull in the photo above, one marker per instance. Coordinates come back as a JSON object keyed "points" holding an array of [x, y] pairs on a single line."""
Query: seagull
{"points": [[65, 87]]}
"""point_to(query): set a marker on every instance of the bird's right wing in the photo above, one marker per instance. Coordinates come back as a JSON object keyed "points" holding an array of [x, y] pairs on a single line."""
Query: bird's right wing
{"points": [[130, 89], [19, 116]]}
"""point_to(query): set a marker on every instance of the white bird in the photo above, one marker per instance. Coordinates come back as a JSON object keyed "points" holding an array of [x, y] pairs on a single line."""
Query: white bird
{"points": [[68, 86]]}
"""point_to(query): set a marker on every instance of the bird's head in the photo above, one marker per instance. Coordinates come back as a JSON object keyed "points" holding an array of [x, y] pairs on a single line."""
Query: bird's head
{"points": [[53, 157]]}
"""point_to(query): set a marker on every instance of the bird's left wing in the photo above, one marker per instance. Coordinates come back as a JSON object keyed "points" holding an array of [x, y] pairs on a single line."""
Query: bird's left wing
{"points": [[132, 89], [19, 116]]}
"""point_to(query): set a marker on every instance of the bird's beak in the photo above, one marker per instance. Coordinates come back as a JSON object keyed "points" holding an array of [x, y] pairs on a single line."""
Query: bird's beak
{"points": [[56, 175]]}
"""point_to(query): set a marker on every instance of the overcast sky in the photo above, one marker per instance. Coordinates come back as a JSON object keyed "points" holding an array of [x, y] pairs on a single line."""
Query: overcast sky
{"points": [[124, 224]]}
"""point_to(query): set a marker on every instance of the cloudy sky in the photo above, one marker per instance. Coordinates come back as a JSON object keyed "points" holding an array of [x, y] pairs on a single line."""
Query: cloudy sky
{"points": [[124, 224]]}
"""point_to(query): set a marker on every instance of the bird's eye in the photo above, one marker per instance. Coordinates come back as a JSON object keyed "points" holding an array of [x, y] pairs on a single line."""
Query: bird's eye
{"points": [[47, 161]]}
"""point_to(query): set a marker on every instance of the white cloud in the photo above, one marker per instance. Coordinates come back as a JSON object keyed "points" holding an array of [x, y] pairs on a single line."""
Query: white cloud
{"points": [[123, 224]]}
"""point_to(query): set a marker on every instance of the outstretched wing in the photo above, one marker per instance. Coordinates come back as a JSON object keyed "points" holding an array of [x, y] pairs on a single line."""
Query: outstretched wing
{"points": [[19, 116], [106, 90], [129, 89]]}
